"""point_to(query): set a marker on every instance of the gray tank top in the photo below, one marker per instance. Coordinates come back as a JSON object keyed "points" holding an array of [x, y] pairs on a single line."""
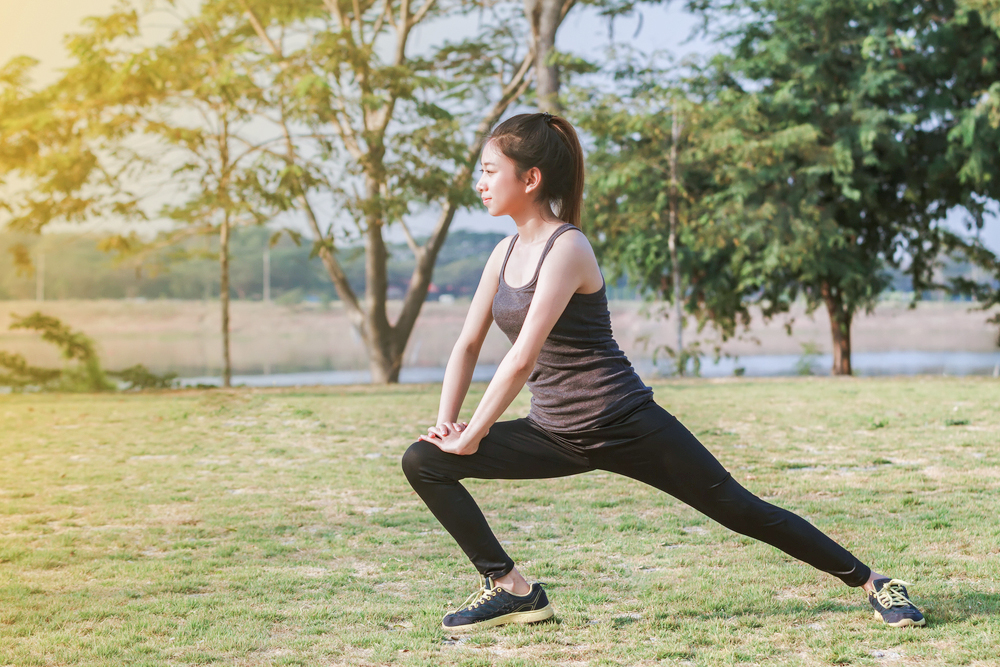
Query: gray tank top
{"points": [[581, 380]]}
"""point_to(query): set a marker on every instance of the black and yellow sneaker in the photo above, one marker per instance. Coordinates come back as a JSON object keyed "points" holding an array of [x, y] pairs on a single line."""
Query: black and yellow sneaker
{"points": [[491, 605], [892, 606]]}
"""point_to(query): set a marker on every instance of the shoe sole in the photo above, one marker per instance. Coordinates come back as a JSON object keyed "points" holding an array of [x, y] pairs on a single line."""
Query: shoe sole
{"points": [[903, 623], [535, 616]]}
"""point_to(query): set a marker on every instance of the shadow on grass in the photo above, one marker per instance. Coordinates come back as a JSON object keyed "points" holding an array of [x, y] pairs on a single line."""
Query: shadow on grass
{"points": [[785, 608], [944, 610], [963, 607]]}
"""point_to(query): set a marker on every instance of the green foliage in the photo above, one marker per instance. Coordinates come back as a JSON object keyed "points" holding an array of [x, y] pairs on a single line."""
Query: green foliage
{"points": [[874, 93], [249, 110], [140, 377], [825, 145], [628, 196], [684, 362], [806, 363], [18, 374], [86, 375]]}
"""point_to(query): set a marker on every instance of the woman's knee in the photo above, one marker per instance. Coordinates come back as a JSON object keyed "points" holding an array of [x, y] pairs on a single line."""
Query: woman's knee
{"points": [[417, 459]]}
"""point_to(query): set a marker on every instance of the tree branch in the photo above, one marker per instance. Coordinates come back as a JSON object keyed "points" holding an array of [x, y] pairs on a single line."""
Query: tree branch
{"points": [[410, 241], [564, 10], [423, 271], [380, 21], [406, 23], [258, 28], [361, 24], [422, 12], [333, 267], [333, 6], [329, 260]]}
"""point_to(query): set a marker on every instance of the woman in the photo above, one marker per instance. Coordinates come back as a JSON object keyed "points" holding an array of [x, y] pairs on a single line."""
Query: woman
{"points": [[589, 409]]}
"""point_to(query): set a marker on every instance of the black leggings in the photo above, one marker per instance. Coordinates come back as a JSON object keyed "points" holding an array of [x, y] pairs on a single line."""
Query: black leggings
{"points": [[649, 445]]}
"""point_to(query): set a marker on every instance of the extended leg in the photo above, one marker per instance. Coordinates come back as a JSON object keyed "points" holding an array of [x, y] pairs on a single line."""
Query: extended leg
{"points": [[671, 459]]}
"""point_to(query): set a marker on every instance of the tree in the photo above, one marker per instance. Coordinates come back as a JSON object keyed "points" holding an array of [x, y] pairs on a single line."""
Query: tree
{"points": [[357, 128], [201, 109], [387, 132], [976, 148], [379, 134], [662, 145], [871, 91], [182, 113]]}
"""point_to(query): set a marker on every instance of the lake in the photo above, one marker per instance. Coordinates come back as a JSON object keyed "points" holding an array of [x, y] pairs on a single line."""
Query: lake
{"points": [[764, 365]]}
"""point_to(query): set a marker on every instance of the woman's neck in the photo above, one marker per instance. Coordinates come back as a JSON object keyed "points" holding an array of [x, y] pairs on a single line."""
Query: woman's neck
{"points": [[536, 225]]}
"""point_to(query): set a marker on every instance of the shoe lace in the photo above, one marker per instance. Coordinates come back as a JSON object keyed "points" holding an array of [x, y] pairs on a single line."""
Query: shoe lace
{"points": [[473, 600], [892, 595], [485, 597]]}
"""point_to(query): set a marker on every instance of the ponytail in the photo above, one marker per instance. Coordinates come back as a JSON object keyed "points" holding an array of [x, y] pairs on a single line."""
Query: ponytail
{"points": [[551, 144]]}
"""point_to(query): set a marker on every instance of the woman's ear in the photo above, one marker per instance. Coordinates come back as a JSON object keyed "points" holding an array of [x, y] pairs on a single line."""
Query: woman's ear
{"points": [[532, 180]]}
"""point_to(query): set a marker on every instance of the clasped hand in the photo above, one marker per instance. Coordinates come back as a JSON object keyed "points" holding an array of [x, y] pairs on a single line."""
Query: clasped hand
{"points": [[447, 436]]}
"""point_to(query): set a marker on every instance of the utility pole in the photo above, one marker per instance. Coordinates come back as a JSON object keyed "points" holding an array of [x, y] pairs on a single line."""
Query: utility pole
{"points": [[40, 276], [675, 135], [267, 271]]}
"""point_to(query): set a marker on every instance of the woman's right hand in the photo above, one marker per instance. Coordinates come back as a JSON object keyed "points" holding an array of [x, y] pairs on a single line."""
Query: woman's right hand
{"points": [[444, 429]]}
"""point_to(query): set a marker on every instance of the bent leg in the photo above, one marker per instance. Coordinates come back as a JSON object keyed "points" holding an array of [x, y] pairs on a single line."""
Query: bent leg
{"points": [[511, 450], [673, 460]]}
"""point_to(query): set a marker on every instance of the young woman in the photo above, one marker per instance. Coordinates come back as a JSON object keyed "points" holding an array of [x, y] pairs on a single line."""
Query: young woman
{"points": [[589, 409]]}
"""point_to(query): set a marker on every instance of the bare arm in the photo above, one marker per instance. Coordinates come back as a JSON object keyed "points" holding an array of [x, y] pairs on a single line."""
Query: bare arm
{"points": [[462, 362], [569, 265]]}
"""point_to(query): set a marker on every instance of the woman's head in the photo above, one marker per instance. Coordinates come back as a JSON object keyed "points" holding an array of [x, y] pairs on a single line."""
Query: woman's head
{"points": [[548, 144]]}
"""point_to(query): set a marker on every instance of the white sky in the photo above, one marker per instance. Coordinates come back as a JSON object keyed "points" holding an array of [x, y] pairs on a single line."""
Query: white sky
{"points": [[37, 28]]}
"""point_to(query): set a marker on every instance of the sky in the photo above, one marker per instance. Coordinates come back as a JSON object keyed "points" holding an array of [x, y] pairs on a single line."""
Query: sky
{"points": [[37, 28]]}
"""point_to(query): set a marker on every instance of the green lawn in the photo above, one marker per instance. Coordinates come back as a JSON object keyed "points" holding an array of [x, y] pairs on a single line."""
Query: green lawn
{"points": [[274, 527]]}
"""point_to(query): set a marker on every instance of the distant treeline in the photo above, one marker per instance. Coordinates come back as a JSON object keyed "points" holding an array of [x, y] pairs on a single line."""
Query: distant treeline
{"points": [[75, 268]]}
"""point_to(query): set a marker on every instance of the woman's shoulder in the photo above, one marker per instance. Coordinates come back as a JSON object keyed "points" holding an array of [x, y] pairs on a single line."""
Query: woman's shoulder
{"points": [[572, 240], [504, 243], [499, 252]]}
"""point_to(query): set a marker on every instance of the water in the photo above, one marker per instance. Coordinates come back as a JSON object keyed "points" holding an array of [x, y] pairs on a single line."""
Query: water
{"points": [[482, 373], [865, 363]]}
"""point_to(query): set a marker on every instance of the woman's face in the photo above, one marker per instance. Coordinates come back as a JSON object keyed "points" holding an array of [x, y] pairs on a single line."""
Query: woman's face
{"points": [[502, 192]]}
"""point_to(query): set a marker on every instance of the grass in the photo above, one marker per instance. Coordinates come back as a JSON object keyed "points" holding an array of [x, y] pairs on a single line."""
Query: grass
{"points": [[276, 528]]}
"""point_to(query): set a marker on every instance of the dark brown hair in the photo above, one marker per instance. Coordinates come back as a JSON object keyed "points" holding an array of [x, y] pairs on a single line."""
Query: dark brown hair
{"points": [[549, 143]]}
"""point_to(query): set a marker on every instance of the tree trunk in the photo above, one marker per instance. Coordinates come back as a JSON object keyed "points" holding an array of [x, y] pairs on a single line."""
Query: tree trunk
{"points": [[840, 328], [40, 276], [377, 330], [675, 269], [266, 289], [227, 367], [545, 16]]}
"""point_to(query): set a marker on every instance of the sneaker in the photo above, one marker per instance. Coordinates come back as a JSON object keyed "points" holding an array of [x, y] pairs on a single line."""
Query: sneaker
{"points": [[892, 606], [491, 605]]}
